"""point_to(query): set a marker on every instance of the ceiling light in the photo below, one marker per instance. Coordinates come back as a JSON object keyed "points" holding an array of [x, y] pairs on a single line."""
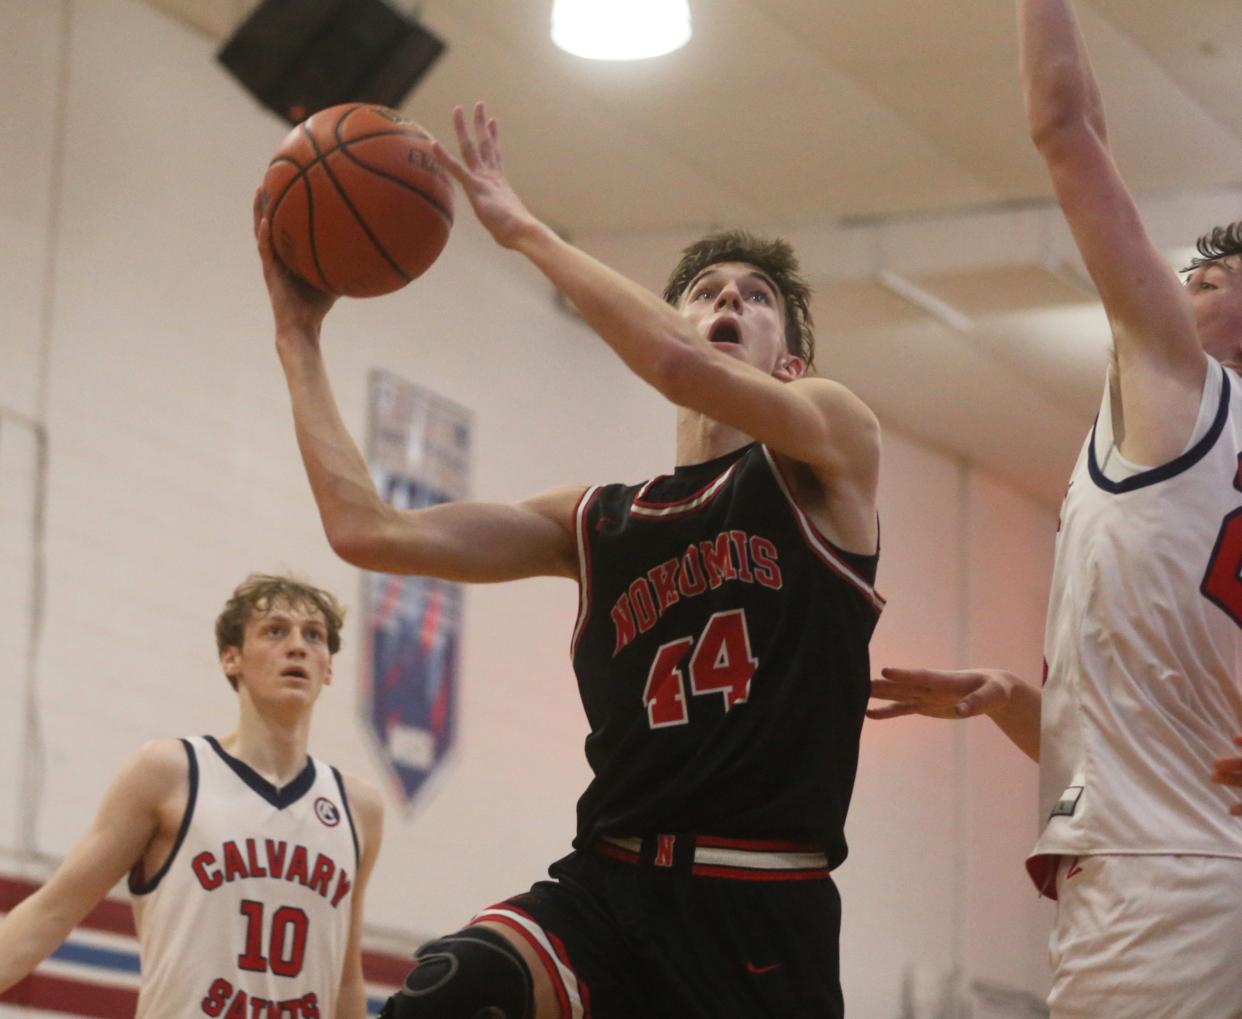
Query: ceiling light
{"points": [[620, 29]]}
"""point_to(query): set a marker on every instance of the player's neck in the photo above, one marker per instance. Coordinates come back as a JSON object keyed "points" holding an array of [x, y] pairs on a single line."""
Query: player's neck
{"points": [[699, 438], [274, 747]]}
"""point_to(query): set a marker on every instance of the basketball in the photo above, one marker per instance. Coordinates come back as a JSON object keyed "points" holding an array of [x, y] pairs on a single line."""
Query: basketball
{"points": [[358, 207]]}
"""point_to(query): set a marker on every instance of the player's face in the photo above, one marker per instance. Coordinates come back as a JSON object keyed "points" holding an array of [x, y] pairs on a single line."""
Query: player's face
{"points": [[740, 312], [284, 654], [1215, 290]]}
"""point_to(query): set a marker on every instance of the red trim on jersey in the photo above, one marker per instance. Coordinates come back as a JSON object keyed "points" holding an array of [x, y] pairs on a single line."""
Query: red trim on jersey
{"points": [[56, 994], [111, 915], [679, 507], [746, 874], [1043, 872], [820, 545], [758, 845], [492, 915], [584, 565]]}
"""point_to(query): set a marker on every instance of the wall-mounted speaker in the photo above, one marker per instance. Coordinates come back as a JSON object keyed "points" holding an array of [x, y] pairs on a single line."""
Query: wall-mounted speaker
{"points": [[299, 56]]}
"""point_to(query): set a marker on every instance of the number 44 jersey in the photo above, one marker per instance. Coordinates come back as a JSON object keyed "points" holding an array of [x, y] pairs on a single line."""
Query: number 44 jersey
{"points": [[721, 656], [250, 914], [1143, 647]]}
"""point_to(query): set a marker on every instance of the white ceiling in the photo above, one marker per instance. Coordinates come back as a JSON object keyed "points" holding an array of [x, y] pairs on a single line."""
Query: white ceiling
{"points": [[886, 140]]}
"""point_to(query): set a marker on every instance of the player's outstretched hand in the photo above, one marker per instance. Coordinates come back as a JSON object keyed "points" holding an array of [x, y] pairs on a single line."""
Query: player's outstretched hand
{"points": [[481, 173], [298, 308], [939, 693], [1228, 771]]}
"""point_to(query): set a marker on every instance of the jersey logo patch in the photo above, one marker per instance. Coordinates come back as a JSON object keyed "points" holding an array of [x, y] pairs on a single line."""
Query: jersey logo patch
{"points": [[326, 811], [1068, 802]]}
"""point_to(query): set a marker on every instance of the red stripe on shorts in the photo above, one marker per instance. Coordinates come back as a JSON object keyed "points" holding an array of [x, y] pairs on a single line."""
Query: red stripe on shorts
{"points": [[558, 985], [745, 874]]}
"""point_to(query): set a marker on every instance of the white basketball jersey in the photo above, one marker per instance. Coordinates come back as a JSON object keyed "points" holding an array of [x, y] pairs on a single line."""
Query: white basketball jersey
{"points": [[249, 917], [1142, 650]]}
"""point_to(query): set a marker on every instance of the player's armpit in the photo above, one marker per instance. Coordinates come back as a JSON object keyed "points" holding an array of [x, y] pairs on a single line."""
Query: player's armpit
{"points": [[128, 819], [475, 542]]}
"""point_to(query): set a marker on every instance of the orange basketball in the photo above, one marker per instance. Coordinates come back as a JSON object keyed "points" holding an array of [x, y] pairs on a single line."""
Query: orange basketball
{"points": [[356, 202]]}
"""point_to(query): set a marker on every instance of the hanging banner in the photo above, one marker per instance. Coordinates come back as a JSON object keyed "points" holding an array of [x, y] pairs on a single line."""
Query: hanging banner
{"points": [[418, 450]]}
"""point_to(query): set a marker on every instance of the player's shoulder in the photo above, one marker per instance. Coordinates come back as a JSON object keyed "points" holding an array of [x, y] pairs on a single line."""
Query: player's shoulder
{"points": [[167, 755], [366, 804], [157, 768], [556, 503], [365, 799], [853, 439], [834, 395]]}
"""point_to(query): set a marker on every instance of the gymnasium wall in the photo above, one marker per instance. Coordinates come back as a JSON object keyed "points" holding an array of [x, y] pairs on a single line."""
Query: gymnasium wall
{"points": [[136, 338]]}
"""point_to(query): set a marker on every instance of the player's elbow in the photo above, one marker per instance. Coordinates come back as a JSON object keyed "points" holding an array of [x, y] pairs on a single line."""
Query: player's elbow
{"points": [[1057, 106], [360, 541]]}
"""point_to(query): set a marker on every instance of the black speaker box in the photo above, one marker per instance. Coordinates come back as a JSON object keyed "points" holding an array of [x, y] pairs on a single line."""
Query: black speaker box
{"points": [[299, 56]]}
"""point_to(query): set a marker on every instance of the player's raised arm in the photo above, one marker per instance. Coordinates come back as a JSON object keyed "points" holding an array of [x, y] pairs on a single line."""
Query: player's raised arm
{"points": [[127, 820], [1011, 703], [814, 421], [455, 541], [1159, 356]]}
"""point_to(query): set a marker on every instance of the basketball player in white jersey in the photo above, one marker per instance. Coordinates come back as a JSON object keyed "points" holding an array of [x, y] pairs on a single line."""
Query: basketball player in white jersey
{"points": [[247, 859], [1144, 633]]}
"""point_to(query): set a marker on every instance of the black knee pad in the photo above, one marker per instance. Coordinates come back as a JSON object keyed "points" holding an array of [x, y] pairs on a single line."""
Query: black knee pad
{"points": [[473, 974]]}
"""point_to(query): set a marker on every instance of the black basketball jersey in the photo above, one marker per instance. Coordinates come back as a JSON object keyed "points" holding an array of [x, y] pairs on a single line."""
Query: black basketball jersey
{"points": [[721, 656]]}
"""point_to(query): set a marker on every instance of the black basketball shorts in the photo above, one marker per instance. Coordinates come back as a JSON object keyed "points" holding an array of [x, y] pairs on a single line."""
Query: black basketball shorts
{"points": [[685, 928]]}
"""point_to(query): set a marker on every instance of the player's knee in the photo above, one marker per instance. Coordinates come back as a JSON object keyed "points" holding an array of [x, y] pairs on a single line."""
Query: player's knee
{"points": [[473, 974]]}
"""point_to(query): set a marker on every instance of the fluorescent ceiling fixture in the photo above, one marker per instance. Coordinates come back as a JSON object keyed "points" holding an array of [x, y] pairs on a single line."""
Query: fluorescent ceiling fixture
{"points": [[620, 29]]}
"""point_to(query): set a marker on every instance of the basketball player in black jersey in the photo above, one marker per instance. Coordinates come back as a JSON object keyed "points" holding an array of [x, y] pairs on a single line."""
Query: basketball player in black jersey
{"points": [[721, 646]]}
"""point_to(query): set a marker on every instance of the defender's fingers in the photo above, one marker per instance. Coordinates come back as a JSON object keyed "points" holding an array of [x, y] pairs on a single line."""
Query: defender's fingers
{"points": [[890, 711], [493, 132], [891, 691], [1227, 766], [483, 137], [464, 142], [450, 162], [977, 703], [922, 677], [934, 681]]}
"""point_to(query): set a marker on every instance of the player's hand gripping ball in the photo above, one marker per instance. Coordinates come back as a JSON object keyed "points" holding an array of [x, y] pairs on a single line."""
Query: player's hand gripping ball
{"points": [[357, 204]]}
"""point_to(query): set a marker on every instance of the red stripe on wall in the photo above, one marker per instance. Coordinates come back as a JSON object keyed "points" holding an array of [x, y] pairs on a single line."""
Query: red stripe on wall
{"points": [[111, 915], [381, 968], [59, 995]]}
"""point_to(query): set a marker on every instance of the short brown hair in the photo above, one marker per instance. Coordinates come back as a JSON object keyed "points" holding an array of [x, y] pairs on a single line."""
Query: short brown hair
{"points": [[1219, 242], [775, 258], [259, 593]]}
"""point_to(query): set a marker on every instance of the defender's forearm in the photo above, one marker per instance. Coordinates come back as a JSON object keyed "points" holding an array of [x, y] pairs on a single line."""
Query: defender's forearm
{"points": [[1059, 86]]}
